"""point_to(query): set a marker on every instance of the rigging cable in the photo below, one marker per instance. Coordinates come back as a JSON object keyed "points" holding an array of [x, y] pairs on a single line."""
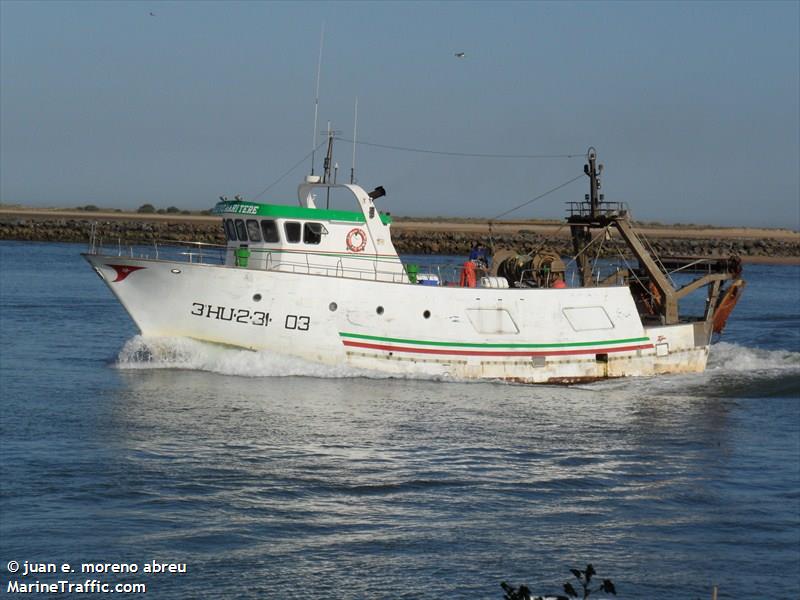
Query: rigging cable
{"points": [[479, 155], [656, 257], [539, 197], [462, 154], [632, 271], [279, 179], [541, 246], [585, 249]]}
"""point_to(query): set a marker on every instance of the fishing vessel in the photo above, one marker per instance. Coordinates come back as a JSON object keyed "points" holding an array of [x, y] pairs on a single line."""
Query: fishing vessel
{"points": [[328, 286]]}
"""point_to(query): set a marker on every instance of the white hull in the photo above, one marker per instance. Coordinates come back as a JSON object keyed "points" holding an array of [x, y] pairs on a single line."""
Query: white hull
{"points": [[526, 335]]}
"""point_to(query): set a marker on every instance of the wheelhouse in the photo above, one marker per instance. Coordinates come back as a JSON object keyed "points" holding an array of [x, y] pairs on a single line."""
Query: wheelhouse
{"points": [[309, 239]]}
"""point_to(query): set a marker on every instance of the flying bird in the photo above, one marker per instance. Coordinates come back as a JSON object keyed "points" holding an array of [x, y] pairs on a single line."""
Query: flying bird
{"points": [[152, 14], [459, 55]]}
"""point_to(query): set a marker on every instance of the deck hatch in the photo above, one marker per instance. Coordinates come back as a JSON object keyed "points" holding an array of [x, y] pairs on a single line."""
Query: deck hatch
{"points": [[588, 318], [492, 320]]}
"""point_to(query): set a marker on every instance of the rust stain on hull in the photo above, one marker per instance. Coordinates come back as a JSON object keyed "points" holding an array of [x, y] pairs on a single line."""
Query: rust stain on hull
{"points": [[574, 380], [560, 380]]}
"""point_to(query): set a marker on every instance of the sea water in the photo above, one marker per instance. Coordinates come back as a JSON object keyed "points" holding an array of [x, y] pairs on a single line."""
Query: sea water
{"points": [[267, 477]]}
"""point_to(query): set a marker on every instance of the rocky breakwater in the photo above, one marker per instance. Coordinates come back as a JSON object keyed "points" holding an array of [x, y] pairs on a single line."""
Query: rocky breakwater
{"points": [[410, 237], [456, 243], [110, 232]]}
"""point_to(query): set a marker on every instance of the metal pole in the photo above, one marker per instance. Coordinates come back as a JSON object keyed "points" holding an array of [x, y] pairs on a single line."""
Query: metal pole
{"points": [[355, 133], [594, 184], [316, 98]]}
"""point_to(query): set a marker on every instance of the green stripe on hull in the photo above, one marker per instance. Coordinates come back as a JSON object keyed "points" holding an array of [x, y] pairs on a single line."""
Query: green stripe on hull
{"points": [[282, 211], [376, 338]]}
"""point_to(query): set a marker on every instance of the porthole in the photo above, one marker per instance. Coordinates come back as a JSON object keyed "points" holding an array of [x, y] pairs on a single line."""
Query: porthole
{"points": [[257, 298], [333, 306], [379, 310], [427, 314]]}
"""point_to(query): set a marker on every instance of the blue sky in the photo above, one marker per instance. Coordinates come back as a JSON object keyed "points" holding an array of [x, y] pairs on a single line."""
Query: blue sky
{"points": [[694, 107]]}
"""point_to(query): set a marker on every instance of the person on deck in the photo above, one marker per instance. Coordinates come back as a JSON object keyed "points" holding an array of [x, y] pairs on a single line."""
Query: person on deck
{"points": [[479, 255]]}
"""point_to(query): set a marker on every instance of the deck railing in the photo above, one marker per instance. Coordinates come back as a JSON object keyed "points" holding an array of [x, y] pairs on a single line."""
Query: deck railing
{"points": [[426, 270], [365, 267], [605, 209], [178, 250], [435, 271]]}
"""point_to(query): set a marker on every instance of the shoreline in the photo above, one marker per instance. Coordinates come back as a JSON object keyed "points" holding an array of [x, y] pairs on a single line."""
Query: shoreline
{"points": [[454, 224], [411, 236]]}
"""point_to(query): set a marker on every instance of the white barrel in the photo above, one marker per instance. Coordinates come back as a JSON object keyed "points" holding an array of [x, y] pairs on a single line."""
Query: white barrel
{"points": [[494, 282]]}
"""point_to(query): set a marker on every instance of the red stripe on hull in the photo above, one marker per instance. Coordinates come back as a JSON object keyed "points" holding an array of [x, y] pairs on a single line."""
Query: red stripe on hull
{"points": [[123, 271], [495, 353]]}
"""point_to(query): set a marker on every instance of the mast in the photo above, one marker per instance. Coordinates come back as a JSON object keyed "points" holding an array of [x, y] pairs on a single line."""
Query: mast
{"points": [[593, 213], [326, 165], [326, 176], [593, 170], [581, 234], [316, 98], [355, 133]]}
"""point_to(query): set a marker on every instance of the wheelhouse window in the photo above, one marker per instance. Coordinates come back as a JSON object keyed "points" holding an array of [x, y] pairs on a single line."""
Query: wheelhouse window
{"points": [[312, 233], [230, 230], [241, 230], [270, 230], [292, 230], [253, 232]]}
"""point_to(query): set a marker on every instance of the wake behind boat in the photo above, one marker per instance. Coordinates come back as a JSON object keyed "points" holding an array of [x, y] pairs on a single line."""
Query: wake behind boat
{"points": [[328, 286]]}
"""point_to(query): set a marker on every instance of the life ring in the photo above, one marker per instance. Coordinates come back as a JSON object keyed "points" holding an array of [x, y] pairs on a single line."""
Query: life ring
{"points": [[356, 240]]}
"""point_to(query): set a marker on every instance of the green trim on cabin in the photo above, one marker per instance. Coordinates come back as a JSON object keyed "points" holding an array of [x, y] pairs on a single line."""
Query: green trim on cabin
{"points": [[282, 211], [473, 345]]}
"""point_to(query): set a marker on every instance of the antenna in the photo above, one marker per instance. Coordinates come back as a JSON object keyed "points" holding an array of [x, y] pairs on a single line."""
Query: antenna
{"points": [[326, 165], [355, 132], [326, 174], [316, 98]]}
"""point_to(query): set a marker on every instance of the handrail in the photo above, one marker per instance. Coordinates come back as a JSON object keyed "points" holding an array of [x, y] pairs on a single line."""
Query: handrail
{"points": [[330, 264], [190, 243]]}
